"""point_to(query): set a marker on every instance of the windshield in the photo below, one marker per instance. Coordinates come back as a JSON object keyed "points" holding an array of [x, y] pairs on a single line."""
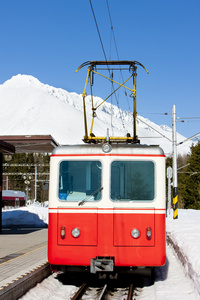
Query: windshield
{"points": [[80, 179], [132, 180]]}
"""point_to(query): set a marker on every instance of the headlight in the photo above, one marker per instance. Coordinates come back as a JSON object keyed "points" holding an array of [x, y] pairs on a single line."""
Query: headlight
{"points": [[75, 232], [135, 233], [106, 147]]}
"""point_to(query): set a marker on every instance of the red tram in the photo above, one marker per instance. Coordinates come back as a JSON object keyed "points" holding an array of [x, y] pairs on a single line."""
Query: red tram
{"points": [[107, 209], [13, 198], [107, 197]]}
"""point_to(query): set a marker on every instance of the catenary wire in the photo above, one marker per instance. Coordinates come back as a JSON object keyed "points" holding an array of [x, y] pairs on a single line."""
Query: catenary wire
{"points": [[112, 30], [105, 57]]}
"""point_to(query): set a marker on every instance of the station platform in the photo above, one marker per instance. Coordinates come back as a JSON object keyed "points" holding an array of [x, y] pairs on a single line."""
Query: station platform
{"points": [[21, 251]]}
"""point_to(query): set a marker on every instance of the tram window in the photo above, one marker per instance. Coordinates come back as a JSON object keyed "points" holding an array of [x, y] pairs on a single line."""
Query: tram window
{"points": [[80, 180], [132, 180]]}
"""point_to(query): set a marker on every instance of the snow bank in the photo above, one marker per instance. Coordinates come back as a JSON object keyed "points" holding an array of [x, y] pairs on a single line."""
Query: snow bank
{"points": [[33, 215], [184, 235]]}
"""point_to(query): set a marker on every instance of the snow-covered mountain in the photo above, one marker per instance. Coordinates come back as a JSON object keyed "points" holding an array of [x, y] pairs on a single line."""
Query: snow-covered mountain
{"points": [[30, 107]]}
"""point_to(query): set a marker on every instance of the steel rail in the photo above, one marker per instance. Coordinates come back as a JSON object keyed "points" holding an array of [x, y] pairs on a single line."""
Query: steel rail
{"points": [[80, 292], [130, 292], [103, 292]]}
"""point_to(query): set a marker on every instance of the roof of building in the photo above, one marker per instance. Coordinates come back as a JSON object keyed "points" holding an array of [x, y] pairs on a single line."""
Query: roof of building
{"points": [[27, 143]]}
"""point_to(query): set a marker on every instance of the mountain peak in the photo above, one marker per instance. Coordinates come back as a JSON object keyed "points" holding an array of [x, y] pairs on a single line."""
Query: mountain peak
{"points": [[21, 80]]}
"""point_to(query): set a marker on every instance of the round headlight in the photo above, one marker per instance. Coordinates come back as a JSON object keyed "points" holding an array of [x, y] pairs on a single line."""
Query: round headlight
{"points": [[135, 233], [106, 147], [75, 232]]}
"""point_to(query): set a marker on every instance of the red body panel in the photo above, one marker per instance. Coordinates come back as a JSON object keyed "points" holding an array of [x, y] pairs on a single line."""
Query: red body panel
{"points": [[124, 223], [86, 223], [13, 198], [107, 234]]}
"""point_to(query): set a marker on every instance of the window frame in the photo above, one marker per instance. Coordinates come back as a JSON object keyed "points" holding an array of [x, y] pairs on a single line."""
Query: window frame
{"points": [[78, 160], [133, 200]]}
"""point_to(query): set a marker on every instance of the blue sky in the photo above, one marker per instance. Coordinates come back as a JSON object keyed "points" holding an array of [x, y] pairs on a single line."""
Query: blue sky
{"points": [[50, 39]]}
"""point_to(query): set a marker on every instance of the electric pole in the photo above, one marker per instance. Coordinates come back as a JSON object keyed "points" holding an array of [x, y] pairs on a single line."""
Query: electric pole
{"points": [[175, 182]]}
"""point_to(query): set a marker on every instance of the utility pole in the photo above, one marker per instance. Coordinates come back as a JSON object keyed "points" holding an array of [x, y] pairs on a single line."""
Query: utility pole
{"points": [[35, 184], [175, 181]]}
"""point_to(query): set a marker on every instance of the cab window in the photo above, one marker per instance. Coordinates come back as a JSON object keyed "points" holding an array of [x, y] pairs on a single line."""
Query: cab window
{"points": [[80, 180], [132, 180]]}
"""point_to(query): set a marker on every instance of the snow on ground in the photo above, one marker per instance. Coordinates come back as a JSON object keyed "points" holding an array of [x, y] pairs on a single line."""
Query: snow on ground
{"points": [[184, 235], [33, 215], [176, 280]]}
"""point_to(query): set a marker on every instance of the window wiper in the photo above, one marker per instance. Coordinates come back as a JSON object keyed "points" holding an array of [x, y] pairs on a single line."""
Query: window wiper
{"points": [[88, 197]]}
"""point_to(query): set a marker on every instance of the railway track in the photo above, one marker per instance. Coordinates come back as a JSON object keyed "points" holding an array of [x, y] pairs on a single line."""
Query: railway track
{"points": [[103, 292]]}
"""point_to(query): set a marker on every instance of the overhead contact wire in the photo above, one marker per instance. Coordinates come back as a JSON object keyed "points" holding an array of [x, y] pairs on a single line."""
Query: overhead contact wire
{"points": [[98, 31], [112, 29], [104, 55]]}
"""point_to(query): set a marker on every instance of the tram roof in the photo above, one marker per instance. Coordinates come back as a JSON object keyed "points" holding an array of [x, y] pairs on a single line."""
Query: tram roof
{"points": [[116, 149]]}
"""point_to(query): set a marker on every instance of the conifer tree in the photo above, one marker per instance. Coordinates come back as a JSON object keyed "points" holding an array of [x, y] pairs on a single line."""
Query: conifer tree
{"points": [[191, 189]]}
